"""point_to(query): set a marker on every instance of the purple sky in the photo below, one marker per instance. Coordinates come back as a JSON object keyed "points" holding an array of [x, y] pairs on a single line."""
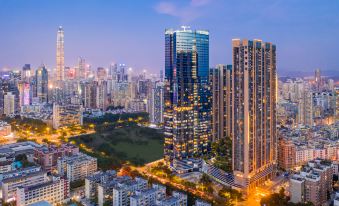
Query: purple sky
{"points": [[103, 31]]}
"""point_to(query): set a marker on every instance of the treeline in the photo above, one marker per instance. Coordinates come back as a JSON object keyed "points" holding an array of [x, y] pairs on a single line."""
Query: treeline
{"points": [[36, 125], [111, 118]]}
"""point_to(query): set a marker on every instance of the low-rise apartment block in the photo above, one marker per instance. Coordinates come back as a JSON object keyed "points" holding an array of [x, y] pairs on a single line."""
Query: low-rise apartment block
{"points": [[77, 167], [313, 183], [55, 192]]}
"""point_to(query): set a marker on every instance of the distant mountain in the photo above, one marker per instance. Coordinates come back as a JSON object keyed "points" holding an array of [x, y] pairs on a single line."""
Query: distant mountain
{"points": [[334, 74]]}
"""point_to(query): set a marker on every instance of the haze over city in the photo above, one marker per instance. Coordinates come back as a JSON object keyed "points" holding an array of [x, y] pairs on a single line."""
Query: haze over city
{"points": [[102, 32], [169, 103]]}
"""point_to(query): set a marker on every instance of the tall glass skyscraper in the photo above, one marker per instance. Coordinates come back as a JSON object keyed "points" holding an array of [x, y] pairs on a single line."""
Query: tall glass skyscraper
{"points": [[60, 58], [187, 97], [253, 111], [41, 76]]}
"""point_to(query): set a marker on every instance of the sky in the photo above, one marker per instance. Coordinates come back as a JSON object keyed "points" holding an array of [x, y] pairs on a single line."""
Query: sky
{"points": [[132, 32]]}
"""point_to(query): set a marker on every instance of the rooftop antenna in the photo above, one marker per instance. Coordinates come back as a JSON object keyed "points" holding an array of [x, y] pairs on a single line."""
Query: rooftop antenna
{"points": [[185, 27]]}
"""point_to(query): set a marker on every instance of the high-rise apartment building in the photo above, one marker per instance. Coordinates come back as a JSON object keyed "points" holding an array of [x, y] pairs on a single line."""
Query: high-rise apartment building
{"points": [[318, 80], [157, 103], [336, 92], [101, 73], [81, 71], [221, 87], [9, 103], [253, 111], [286, 154], [187, 98], [60, 57]]}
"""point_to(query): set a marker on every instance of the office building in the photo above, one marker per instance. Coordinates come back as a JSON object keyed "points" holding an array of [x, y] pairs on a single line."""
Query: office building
{"points": [[60, 56], [336, 91], [187, 98], [41, 76], [26, 73], [253, 112]]}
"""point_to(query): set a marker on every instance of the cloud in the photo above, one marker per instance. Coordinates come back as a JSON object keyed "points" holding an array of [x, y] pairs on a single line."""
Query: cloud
{"points": [[200, 2], [166, 8], [186, 13]]}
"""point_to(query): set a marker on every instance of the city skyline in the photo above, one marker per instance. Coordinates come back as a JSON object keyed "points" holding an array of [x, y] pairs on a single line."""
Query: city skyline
{"points": [[89, 36]]}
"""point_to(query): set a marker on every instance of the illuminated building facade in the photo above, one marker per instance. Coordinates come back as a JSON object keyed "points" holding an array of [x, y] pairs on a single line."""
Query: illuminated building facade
{"points": [[318, 80], [42, 84], [187, 98], [9, 103], [254, 111], [60, 58], [336, 89], [221, 87], [24, 90]]}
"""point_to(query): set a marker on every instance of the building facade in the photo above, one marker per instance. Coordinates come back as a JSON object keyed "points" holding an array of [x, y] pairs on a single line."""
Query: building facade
{"points": [[41, 76], [221, 87], [55, 192], [254, 111], [187, 98], [77, 167], [60, 56]]}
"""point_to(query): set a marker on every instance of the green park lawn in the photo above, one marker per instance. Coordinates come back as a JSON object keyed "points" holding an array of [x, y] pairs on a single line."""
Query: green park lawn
{"points": [[133, 144]]}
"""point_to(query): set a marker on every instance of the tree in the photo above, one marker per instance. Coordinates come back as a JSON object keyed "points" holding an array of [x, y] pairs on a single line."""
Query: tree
{"points": [[279, 199], [21, 157], [205, 179], [230, 193], [222, 152]]}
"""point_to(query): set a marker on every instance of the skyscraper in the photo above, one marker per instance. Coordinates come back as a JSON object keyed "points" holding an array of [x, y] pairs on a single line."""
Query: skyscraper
{"points": [[317, 79], [254, 111], [187, 107], [60, 58], [26, 72], [41, 76], [81, 72]]}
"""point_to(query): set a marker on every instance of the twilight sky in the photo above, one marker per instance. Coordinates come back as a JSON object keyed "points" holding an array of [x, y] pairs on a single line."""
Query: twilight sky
{"points": [[103, 31]]}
